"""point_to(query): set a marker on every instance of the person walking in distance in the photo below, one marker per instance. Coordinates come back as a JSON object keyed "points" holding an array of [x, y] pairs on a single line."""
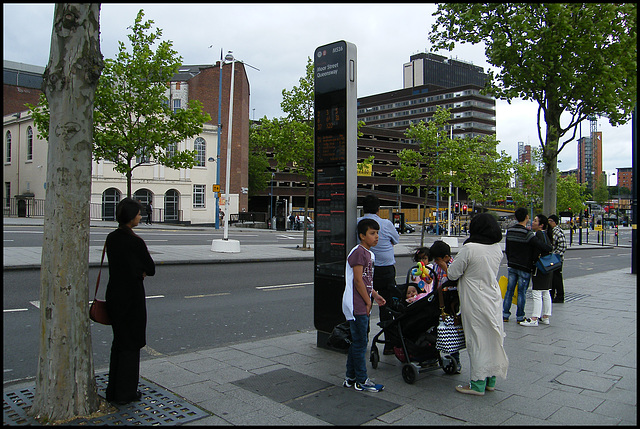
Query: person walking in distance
{"points": [[384, 274], [149, 211], [129, 264], [522, 249], [559, 247]]}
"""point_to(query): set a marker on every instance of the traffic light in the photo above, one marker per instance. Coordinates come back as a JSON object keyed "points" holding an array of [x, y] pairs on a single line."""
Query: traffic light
{"points": [[456, 207], [464, 209]]}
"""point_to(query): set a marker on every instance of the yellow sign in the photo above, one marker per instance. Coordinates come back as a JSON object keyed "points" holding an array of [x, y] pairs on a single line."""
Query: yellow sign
{"points": [[215, 188], [598, 228], [364, 169]]}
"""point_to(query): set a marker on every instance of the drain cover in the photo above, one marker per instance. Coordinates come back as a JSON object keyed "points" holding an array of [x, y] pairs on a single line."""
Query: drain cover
{"points": [[157, 407]]}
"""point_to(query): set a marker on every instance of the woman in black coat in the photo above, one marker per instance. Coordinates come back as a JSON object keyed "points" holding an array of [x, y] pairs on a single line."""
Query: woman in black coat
{"points": [[129, 264], [541, 282]]}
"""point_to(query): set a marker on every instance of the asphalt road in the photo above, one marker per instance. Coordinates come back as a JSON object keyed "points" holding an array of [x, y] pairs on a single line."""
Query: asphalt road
{"points": [[193, 307]]}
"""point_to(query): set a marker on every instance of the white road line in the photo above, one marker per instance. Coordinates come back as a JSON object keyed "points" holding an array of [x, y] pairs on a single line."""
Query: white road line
{"points": [[155, 296], [36, 304], [13, 310], [283, 286], [208, 295]]}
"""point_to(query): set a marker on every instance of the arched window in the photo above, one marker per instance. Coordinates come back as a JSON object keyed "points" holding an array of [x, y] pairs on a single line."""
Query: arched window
{"points": [[29, 143], [200, 147], [8, 147]]}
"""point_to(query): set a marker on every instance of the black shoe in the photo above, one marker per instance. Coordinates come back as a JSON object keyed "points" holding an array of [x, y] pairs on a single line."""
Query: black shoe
{"points": [[557, 301]]}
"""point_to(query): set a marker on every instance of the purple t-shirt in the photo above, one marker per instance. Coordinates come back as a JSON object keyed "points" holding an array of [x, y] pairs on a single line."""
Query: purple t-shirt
{"points": [[361, 256]]}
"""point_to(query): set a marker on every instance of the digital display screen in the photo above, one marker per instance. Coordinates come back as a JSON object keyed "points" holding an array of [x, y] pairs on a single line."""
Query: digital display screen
{"points": [[330, 221]]}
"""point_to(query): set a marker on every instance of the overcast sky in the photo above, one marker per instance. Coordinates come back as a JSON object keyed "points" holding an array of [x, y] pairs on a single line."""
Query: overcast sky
{"points": [[278, 38]]}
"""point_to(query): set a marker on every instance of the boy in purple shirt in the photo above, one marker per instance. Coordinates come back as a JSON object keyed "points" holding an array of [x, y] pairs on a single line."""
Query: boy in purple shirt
{"points": [[356, 305]]}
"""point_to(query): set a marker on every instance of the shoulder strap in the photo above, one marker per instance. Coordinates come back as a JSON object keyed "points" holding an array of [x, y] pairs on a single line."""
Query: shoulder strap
{"points": [[95, 294]]}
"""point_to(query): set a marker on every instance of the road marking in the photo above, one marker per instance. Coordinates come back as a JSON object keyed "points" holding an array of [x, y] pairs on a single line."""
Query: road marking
{"points": [[208, 295], [155, 296], [36, 304], [6, 240], [13, 310], [286, 237], [284, 286]]}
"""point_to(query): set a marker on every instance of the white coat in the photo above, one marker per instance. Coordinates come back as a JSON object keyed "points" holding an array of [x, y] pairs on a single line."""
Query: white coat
{"points": [[476, 267]]}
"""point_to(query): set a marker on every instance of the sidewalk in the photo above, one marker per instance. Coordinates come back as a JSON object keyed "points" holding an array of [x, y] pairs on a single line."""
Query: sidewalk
{"points": [[580, 370]]}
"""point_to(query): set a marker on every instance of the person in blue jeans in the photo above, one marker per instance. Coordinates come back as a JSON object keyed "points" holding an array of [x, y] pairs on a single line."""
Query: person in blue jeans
{"points": [[357, 303], [522, 248]]}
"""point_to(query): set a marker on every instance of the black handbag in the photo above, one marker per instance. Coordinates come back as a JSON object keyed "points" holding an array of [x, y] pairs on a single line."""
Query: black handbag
{"points": [[98, 309], [340, 337]]}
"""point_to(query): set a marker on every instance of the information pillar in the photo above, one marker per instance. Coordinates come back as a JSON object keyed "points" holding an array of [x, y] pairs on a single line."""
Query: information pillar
{"points": [[335, 193]]}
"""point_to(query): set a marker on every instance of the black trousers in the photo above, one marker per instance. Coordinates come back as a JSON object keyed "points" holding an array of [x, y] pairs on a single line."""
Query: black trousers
{"points": [[557, 286], [124, 372]]}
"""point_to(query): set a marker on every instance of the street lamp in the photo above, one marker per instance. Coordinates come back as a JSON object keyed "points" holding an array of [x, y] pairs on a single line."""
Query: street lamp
{"points": [[225, 245], [617, 206]]}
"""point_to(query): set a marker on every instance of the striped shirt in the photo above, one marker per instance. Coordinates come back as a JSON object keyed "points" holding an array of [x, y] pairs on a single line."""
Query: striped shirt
{"points": [[559, 241]]}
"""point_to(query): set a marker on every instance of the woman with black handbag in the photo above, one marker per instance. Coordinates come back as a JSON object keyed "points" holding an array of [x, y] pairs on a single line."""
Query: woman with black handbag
{"points": [[129, 264], [541, 281], [476, 270]]}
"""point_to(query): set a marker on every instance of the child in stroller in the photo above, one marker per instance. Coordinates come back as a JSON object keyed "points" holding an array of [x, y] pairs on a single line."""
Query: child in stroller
{"points": [[413, 333], [419, 274]]}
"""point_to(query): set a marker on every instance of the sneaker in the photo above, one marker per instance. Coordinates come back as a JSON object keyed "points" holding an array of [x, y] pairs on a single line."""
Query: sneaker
{"points": [[504, 319], [529, 322], [544, 321], [369, 386], [349, 382], [468, 390]]}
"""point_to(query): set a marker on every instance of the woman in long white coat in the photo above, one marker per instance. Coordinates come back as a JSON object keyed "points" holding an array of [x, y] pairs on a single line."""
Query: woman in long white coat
{"points": [[476, 269]]}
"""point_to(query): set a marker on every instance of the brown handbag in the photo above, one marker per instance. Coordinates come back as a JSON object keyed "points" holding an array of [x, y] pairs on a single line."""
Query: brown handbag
{"points": [[98, 310]]}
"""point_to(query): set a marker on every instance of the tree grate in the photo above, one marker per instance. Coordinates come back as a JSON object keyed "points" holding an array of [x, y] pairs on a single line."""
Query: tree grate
{"points": [[157, 407]]}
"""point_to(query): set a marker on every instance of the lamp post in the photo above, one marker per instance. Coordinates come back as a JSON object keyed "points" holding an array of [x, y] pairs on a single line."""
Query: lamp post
{"points": [[225, 245], [617, 206], [271, 203]]}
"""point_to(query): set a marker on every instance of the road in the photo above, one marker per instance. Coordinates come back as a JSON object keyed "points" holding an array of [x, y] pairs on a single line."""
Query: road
{"points": [[195, 307]]}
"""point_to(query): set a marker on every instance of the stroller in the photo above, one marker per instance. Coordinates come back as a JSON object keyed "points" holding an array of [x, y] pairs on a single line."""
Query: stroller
{"points": [[413, 332]]}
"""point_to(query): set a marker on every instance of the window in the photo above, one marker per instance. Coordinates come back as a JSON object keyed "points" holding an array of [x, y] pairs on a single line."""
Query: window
{"points": [[198, 196], [171, 150], [29, 143], [8, 147], [140, 158], [7, 194], [176, 105], [200, 147]]}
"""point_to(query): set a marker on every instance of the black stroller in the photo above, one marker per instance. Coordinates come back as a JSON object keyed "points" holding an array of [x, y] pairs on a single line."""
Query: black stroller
{"points": [[413, 332]]}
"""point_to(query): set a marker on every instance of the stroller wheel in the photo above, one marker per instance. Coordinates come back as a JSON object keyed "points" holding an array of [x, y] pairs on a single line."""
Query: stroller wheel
{"points": [[450, 365], [374, 357], [409, 373]]}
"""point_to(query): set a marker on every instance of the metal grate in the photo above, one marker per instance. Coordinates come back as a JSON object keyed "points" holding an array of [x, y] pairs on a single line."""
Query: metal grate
{"points": [[157, 407]]}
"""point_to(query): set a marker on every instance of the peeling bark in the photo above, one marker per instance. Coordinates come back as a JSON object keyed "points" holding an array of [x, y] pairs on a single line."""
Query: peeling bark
{"points": [[65, 383]]}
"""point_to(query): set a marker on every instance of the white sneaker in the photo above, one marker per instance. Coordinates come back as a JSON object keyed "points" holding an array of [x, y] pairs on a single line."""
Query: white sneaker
{"points": [[529, 322], [544, 320]]}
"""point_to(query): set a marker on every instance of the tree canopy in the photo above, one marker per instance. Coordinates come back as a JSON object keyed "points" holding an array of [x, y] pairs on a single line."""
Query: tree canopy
{"points": [[577, 59], [133, 122]]}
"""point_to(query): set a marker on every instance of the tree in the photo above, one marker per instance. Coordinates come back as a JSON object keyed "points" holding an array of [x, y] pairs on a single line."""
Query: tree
{"points": [[134, 124], [600, 192], [65, 383], [571, 195], [579, 59], [291, 137]]}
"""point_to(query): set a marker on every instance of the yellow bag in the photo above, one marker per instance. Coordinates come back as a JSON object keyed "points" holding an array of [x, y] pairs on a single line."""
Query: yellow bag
{"points": [[503, 288]]}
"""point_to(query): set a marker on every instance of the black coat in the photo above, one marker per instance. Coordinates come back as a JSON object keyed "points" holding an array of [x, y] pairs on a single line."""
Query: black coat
{"points": [[128, 259], [542, 281]]}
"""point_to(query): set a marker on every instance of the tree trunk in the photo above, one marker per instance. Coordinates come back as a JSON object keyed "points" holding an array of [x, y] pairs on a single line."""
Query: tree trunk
{"points": [[549, 158], [65, 383]]}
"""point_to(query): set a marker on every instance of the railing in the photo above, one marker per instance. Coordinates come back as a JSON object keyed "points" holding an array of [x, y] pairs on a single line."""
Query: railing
{"points": [[248, 217]]}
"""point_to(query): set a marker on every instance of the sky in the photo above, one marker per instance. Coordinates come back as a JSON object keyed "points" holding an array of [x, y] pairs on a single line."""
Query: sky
{"points": [[277, 39]]}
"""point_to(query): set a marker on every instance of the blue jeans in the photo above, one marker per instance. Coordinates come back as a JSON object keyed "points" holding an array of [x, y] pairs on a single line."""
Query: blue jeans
{"points": [[521, 278], [356, 358]]}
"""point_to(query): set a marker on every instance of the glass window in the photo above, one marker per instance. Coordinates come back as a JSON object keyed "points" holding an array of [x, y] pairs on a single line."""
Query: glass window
{"points": [[200, 147], [8, 147], [29, 143], [176, 105], [7, 194], [171, 150], [198, 196]]}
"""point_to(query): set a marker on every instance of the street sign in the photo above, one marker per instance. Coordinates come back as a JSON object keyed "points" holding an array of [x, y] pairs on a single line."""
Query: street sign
{"points": [[215, 188]]}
